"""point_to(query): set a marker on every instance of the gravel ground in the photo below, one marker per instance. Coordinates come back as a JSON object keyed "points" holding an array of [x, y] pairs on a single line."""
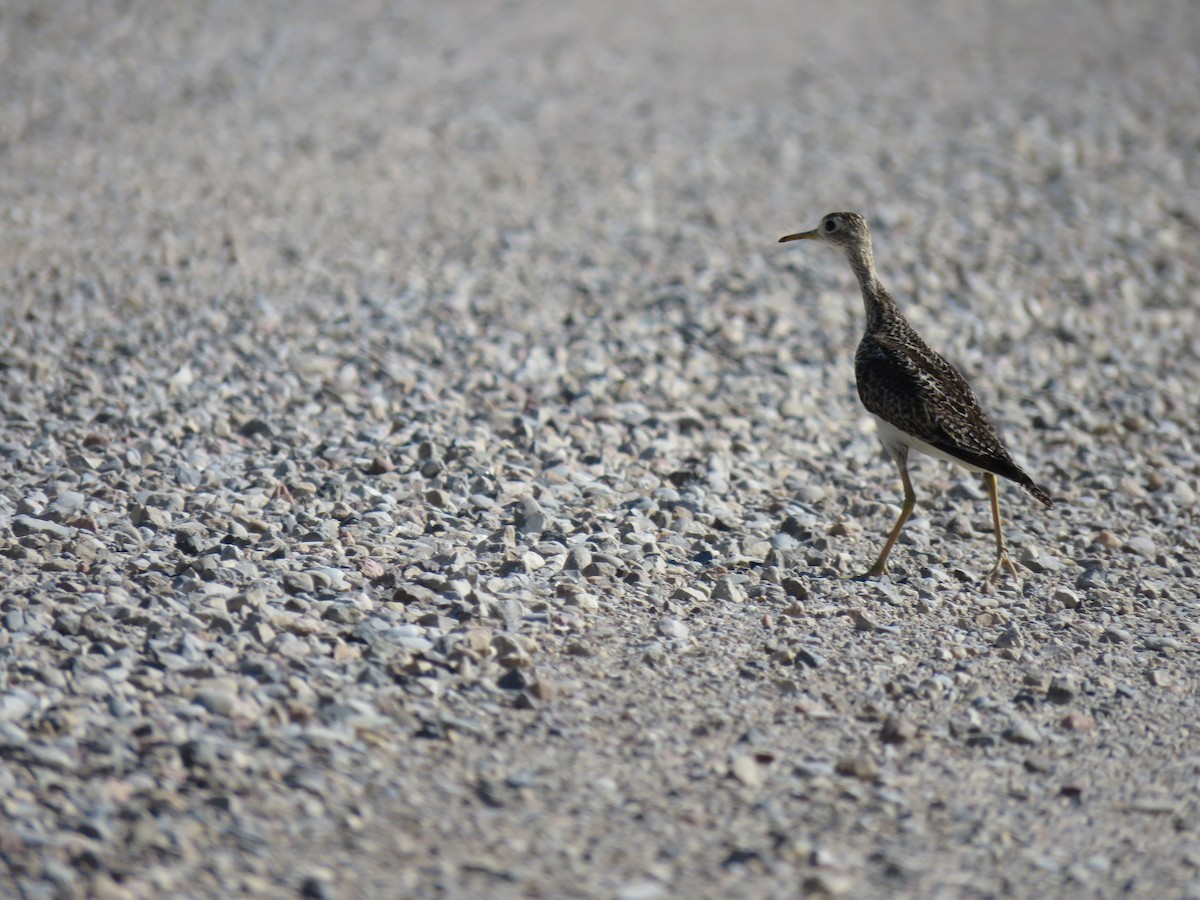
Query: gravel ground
{"points": [[425, 475]]}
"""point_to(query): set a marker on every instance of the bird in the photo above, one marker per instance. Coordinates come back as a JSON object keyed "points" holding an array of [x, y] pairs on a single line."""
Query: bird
{"points": [[919, 401]]}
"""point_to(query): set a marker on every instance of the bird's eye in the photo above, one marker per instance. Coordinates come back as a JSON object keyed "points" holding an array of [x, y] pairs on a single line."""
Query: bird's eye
{"points": [[831, 224]]}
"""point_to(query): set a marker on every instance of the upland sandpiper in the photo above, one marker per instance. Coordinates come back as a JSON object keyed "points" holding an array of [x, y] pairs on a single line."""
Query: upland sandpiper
{"points": [[919, 401]]}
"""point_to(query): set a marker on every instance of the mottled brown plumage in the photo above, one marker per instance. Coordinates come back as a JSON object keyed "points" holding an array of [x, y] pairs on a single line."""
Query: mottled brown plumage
{"points": [[919, 400], [902, 380]]}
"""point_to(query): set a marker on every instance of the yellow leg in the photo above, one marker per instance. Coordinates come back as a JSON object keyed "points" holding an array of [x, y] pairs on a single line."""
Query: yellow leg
{"points": [[1002, 560], [910, 500]]}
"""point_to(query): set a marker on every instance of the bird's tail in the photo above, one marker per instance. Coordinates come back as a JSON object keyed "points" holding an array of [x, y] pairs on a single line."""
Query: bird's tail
{"points": [[1037, 490]]}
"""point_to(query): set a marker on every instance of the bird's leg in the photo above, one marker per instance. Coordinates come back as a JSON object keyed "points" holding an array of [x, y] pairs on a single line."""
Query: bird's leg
{"points": [[900, 455], [1002, 560]]}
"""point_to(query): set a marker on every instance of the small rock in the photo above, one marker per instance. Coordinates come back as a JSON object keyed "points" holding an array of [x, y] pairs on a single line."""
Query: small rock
{"points": [[693, 595], [298, 583], [67, 504], [1063, 688], [188, 476], [795, 588], [1184, 494], [371, 569], [863, 622], [1159, 677], [961, 526], [673, 629], [409, 593], [1141, 546], [579, 558], [1162, 643], [810, 659], [317, 887], [747, 769], [255, 428], [1037, 680], [1131, 487], [1077, 721], [79, 463], [863, 767], [726, 590], [218, 701], [514, 650], [303, 626], [897, 729], [198, 753], [647, 889], [380, 464], [68, 623], [1022, 731], [542, 687], [438, 499], [14, 705], [530, 518], [1010, 637], [190, 539], [1154, 806], [584, 601], [600, 569], [828, 884], [33, 504], [25, 525], [654, 655], [1067, 597]]}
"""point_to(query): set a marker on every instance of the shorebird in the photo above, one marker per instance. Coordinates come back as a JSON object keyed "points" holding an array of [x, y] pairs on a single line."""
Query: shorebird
{"points": [[919, 401]]}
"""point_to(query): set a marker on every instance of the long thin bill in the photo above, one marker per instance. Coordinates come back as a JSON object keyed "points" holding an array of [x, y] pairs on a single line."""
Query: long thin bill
{"points": [[799, 236]]}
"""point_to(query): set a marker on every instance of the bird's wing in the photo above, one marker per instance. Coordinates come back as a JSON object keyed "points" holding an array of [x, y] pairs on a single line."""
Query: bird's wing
{"points": [[906, 383]]}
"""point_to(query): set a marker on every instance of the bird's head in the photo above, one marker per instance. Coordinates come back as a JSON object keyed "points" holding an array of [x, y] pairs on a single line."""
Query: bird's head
{"points": [[845, 229]]}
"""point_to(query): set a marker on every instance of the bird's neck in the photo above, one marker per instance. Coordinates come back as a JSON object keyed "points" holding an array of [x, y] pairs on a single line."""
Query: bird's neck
{"points": [[880, 307]]}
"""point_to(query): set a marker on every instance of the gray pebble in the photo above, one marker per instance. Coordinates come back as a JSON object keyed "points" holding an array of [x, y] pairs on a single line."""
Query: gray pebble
{"points": [[15, 704], [25, 525], [1142, 546], [728, 590], [1022, 731], [298, 583], [530, 518], [673, 629]]}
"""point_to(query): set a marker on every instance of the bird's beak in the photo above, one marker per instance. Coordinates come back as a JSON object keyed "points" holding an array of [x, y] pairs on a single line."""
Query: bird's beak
{"points": [[801, 236]]}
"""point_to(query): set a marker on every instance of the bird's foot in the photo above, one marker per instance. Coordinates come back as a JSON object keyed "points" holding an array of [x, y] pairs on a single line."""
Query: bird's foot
{"points": [[876, 571], [1003, 562]]}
